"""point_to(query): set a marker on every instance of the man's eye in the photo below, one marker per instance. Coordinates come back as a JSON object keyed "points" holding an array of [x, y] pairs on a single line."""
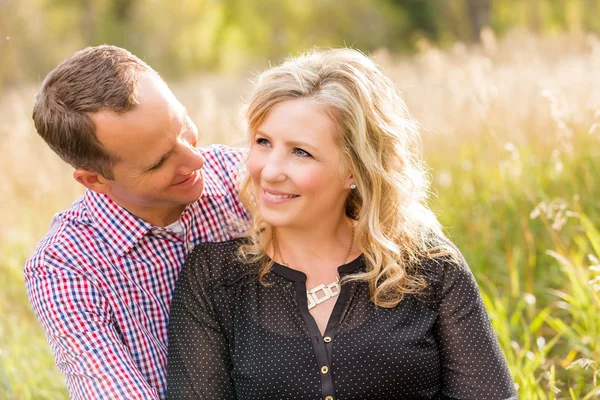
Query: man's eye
{"points": [[301, 153], [158, 165]]}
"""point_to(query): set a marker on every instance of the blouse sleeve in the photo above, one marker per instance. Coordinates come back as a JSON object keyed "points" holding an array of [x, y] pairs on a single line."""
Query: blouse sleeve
{"points": [[473, 366], [198, 356]]}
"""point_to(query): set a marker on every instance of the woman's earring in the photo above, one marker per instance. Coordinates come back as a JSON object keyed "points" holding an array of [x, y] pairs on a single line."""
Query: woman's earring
{"points": [[353, 186]]}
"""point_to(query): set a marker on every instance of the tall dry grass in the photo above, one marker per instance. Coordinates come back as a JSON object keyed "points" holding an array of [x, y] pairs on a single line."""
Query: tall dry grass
{"points": [[511, 131]]}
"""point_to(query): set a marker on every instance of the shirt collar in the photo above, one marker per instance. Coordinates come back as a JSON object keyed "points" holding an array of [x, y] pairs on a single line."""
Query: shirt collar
{"points": [[121, 229], [212, 188]]}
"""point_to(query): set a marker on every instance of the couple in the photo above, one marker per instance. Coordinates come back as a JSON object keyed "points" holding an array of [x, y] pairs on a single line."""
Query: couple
{"points": [[340, 285]]}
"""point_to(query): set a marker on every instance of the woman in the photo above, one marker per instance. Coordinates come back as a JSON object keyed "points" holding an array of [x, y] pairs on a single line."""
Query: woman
{"points": [[337, 193]]}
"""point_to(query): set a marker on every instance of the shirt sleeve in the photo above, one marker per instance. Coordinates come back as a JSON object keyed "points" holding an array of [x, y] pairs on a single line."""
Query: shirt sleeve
{"points": [[473, 365], [86, 345], [198, 358]]}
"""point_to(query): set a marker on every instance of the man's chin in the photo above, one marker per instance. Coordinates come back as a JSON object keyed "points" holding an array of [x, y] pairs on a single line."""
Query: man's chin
{"points": [[191, 195]]}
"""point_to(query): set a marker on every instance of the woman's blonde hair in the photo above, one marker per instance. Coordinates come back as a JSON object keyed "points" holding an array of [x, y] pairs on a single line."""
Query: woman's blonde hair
{"points": [[380, 144]]}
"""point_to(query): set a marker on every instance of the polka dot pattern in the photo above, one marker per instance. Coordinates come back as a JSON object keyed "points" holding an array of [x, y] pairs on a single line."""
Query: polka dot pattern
{"points": [[232, 338]]}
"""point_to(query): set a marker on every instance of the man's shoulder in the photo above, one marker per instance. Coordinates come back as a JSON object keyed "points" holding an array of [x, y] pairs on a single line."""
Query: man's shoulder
{"points": [[223, 161], [222, 150], [223, 172], [68, 229], [221, 156]]}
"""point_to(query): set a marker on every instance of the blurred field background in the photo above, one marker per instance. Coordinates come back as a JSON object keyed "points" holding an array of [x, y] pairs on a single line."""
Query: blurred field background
{"points": [[507, 93]]}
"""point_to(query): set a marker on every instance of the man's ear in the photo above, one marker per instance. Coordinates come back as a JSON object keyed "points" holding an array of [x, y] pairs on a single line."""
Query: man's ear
{"points": [[92, 180]]}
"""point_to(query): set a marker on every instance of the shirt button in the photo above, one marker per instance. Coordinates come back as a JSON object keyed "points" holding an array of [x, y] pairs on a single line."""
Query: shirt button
{"points": [[324, 369], [327, 339], [329, 398], [190, 246]]}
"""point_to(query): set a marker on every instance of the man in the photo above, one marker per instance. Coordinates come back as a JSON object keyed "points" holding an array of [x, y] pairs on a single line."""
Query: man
{"points": [[100, 281]]}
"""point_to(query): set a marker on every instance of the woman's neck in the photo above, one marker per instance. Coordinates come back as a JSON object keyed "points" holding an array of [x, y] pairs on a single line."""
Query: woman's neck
{"points": [[318, 249]]}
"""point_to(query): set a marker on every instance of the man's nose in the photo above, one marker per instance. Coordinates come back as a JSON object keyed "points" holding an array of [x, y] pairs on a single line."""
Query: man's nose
{"points": [[197, 158], [194, 160]]}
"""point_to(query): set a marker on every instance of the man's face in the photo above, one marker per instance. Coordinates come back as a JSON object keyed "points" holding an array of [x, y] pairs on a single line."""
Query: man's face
{"points": [[159, 170]]}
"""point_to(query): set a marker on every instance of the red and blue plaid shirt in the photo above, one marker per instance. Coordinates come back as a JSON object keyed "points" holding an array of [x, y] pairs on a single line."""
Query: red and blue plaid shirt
{"points": [[101, 280]]}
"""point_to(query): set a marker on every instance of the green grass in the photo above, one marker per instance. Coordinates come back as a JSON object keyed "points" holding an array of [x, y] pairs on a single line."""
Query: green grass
{"points": [[530, 238], [27, 368]]}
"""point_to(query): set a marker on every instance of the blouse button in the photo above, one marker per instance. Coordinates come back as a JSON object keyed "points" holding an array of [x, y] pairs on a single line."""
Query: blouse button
{"points": [[324, 369], [327, 339], [329, 398], [190, 246]]}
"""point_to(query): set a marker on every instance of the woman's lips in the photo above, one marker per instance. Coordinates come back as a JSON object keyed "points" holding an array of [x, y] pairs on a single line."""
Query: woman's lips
{"points": [[276, 197]]}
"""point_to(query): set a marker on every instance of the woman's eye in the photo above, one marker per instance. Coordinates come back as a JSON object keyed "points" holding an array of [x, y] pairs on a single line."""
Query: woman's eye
{"points": [[301, 153], [261, 141]]}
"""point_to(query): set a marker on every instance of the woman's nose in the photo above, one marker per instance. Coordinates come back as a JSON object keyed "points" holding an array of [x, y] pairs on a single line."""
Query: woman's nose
{"points": [[273, 169]]}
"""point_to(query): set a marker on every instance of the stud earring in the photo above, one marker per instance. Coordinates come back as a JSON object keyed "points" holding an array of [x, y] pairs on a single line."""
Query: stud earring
{"points": [[353, 186]]}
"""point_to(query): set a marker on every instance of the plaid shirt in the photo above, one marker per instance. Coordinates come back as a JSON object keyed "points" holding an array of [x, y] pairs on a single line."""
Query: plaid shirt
{"points": [[101, 281]]}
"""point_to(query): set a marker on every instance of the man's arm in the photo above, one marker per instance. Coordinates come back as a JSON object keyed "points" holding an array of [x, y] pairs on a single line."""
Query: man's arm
{"points": [[86, 345]]}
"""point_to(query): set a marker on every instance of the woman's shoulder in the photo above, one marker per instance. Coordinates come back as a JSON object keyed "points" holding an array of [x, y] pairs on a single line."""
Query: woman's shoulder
{"points": [[441, 253], [443, 264], [216, 263]]}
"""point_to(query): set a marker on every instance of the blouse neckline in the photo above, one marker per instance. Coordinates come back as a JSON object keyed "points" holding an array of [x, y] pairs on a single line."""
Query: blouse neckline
{"points": [[297, 276]]}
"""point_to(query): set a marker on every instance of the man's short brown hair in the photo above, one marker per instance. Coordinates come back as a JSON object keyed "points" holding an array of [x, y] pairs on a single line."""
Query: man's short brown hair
{"points": [[93, 79]]}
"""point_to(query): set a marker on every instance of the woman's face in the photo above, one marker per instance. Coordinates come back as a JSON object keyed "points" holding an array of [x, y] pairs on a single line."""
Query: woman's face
{"points": [[296, 166]]}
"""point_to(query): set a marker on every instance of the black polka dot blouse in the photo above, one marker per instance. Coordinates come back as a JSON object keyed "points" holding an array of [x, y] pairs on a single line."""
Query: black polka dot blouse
{"points": [[231, 337]]}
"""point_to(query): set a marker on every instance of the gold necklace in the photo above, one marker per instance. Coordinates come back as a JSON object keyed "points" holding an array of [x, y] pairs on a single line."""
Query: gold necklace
{"points": [[328, 291]]}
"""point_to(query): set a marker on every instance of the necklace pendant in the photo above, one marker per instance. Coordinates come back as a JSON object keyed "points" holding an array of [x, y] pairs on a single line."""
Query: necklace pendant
{"points": [[321, 293]]}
